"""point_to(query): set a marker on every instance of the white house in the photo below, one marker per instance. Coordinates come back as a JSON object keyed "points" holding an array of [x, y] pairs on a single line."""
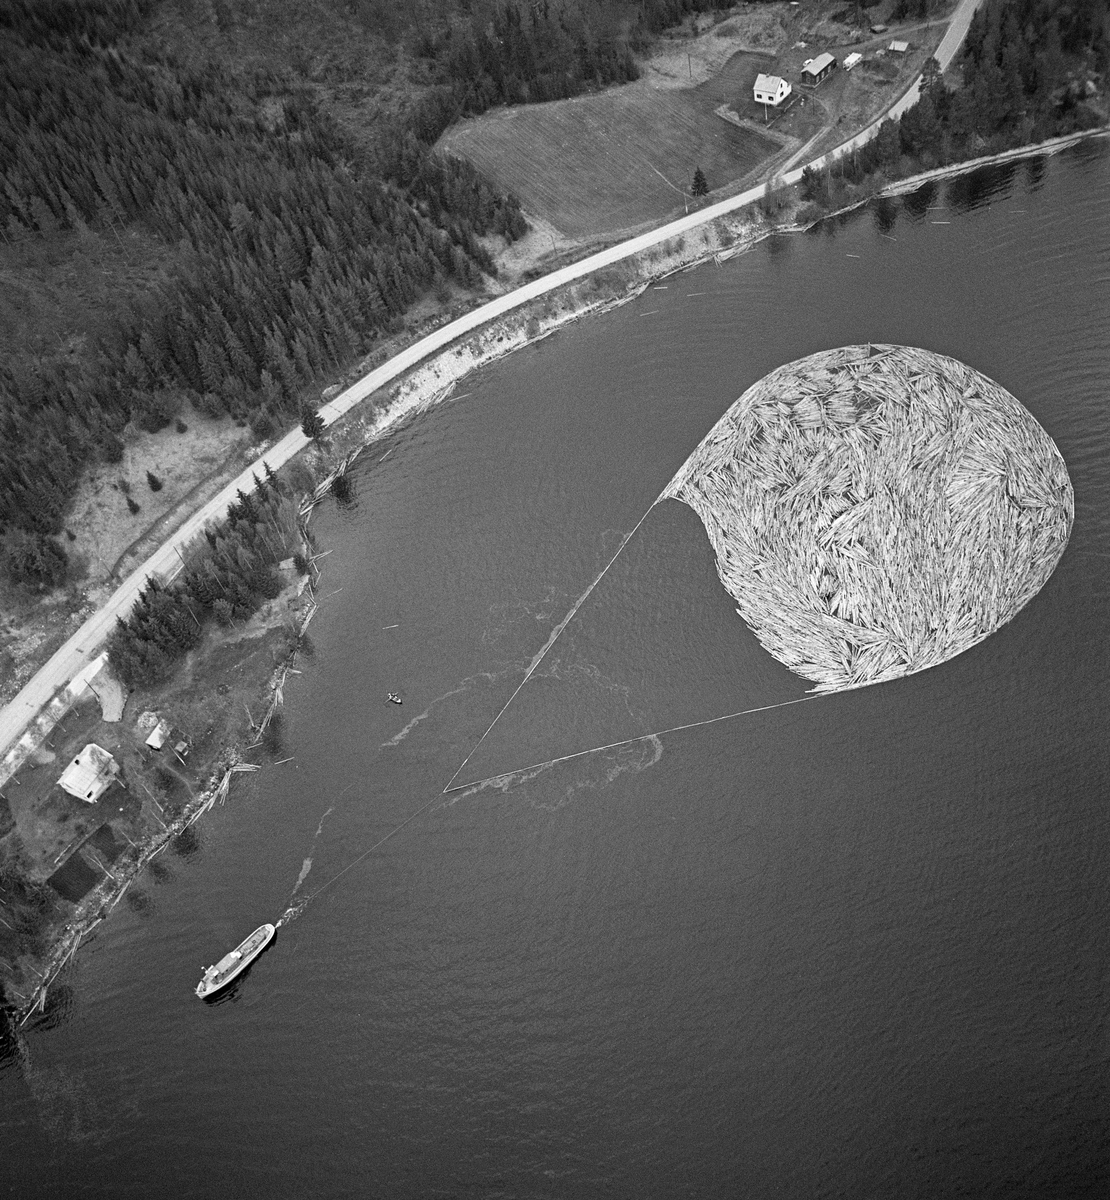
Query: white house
{"points": [[90, 774], [770, 89]]}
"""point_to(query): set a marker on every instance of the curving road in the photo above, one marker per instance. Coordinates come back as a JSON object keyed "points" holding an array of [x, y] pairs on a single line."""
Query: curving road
{"points": [[82, 646]]}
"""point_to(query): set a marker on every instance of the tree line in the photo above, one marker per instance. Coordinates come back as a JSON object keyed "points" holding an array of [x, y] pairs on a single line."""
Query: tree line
{"points": [[1024, 71], [231, 574], [483, 53]]}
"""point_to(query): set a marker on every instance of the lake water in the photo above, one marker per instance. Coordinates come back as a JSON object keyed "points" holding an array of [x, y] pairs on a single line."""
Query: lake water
{"points": [[853, 946]]}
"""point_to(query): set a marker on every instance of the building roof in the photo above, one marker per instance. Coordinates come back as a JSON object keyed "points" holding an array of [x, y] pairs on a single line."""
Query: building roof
{"points": [[899, 47], [768, 83], [158, 735], [852, 59], [816, 65], [90, 774]]}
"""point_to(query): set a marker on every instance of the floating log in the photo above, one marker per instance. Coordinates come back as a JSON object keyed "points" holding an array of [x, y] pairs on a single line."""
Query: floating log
{"points": [[876, 510]]}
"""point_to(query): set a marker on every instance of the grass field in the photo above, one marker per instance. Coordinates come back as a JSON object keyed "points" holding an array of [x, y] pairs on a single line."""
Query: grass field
{"points": [[598, 164]]}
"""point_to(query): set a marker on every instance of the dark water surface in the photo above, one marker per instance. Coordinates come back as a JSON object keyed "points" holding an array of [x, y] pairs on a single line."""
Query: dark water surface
{"points": [[856, 946]]}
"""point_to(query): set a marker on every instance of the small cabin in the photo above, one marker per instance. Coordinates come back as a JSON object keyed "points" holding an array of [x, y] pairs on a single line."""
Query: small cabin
{"points": [[158, 735], [770, 89], [899, 47], [90, 774], [816, 69], [852, 60]]}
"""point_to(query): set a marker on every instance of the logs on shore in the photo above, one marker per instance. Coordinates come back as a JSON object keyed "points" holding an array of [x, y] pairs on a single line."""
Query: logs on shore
{"points": [[876, 510]]}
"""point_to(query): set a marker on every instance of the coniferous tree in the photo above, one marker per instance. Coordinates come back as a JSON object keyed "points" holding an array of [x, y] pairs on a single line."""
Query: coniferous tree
{"points": [[312, 424]]}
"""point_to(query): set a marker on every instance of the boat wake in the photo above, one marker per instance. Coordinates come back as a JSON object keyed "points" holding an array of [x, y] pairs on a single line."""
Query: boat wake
{"points": [[292, 912], [296, 907], [508, 615], [630, 757], [465, 686]]}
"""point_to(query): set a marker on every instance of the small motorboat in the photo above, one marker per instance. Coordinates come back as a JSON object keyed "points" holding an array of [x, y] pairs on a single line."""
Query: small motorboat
{"points": [[235, 962], [393, 698]]}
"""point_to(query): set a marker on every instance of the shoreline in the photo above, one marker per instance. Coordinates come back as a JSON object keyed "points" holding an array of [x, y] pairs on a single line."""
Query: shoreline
{"points": [[414, 390], [432, 380]]}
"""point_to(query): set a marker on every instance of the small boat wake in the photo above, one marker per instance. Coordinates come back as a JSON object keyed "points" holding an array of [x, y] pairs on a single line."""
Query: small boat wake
{"points": [[292, 913], [306, 866], [296, 907], [482, 676]]}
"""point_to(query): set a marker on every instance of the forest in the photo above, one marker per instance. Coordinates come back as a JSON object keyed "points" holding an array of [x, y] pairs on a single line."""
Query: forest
{"points": [[1024, 74], [294, 245], [293, 240]]}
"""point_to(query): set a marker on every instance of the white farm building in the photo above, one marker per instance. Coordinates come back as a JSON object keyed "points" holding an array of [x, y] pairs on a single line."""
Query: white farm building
{"points": [[770, 89], [90, 774]]}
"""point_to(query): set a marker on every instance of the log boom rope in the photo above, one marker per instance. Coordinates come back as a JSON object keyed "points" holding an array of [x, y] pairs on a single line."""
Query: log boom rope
{"points": [[296, 907], [640, 737], [552, 639]]}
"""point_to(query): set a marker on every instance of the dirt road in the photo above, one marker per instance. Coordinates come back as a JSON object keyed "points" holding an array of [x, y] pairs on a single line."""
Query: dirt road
{"points": [[16, 716]]}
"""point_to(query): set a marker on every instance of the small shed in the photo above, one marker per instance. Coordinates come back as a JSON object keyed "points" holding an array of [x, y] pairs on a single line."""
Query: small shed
{"points": [[90, 774], [816, 69], [852, 60], [158, 735], [770, 89], [899, 47]]}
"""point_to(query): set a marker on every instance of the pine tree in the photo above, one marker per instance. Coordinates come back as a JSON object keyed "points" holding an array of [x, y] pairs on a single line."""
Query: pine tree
{"points": [[312, 424], [700, 186]]}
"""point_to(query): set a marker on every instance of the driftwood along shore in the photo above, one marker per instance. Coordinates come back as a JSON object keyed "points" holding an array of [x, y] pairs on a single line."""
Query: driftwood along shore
{"points": [[876, 510]]}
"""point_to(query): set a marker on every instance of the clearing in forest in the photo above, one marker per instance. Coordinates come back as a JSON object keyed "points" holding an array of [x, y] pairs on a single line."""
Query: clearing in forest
{"points": [[598, 164]]}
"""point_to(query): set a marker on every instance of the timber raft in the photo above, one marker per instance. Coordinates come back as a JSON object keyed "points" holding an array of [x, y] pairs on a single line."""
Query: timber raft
{"points": [[876, 510]]}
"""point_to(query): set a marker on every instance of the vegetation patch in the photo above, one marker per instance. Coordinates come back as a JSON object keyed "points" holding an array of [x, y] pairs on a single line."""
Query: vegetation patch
{"points": [[230, 575]]}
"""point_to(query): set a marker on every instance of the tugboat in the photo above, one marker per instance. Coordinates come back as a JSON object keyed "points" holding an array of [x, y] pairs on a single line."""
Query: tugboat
{"points": [[236, 962]]}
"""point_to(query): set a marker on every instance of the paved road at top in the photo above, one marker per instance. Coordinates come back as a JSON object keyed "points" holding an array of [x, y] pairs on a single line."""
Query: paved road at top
{"points": [[84, 644]]}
